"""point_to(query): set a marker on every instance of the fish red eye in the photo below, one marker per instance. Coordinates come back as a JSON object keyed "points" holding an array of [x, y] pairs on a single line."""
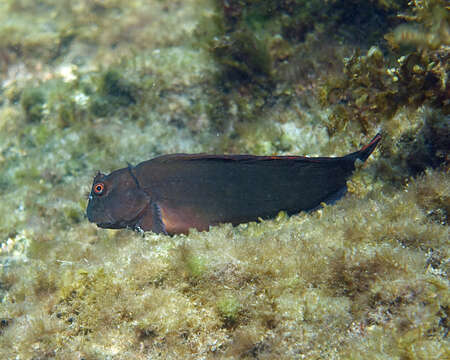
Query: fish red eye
{"points": [[99, 188]]}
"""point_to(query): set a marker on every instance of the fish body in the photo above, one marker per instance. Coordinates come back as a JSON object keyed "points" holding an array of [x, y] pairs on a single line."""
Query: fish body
{"points": [[171, 194]]}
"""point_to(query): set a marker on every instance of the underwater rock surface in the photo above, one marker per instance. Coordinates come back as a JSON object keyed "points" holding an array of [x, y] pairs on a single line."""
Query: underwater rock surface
{"points": [[91, 85]]}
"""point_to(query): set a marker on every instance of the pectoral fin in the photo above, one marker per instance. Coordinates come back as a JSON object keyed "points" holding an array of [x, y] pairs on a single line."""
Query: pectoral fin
{"points": [[151, 220]]}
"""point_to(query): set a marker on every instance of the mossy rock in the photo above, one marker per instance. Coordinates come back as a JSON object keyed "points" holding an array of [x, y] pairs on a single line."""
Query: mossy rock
{"points": [[33, 101], [113, 91], [243, 57]]}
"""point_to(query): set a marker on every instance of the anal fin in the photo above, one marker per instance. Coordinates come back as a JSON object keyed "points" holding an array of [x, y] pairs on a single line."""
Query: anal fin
{"points": [[332, 198]]}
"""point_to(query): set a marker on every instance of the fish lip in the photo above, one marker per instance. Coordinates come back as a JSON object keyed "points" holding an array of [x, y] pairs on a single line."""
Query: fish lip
{"points": [[114, 225], [108, 225], [104, 225]]}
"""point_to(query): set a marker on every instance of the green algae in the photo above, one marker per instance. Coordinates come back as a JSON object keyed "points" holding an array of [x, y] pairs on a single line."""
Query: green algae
{"points": [[365, 278], [228, 308], [112, 89], [32, 101]]}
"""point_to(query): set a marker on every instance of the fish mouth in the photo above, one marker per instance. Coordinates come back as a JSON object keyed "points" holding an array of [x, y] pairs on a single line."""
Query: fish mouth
{"points": [[117, 224], [108, 225], [121, 224], [108, 222]]}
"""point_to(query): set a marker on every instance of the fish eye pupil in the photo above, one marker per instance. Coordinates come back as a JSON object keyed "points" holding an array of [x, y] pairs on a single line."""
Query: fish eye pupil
{"points": [[98, 189]]}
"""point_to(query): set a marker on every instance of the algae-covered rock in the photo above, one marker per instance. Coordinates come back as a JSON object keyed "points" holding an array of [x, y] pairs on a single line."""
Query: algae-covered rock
{"points": [[243, 56], [113, 91], [33, 100], [427, 26]]}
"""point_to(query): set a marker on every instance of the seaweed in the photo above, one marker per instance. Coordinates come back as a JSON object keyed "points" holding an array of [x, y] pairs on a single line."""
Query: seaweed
{"points": [[366, 277], [32, 101], [113, 92], [243, 56], [228, 308], [257, 47], [380, 89], [427, 26], [373, 91]]}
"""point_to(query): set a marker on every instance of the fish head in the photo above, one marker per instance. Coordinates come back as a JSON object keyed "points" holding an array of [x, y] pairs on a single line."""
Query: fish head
{"points": [[116, 200]]}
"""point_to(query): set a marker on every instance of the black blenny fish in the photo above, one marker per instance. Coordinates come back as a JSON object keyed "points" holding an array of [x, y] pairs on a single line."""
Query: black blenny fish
{"points": [[172, 193]]}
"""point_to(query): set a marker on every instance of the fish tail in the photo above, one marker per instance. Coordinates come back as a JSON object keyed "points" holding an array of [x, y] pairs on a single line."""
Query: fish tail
{"points": [[365, 151]]}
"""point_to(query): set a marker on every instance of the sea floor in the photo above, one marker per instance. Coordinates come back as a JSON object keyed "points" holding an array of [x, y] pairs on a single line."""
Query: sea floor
{"points": [[92, 85]]}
